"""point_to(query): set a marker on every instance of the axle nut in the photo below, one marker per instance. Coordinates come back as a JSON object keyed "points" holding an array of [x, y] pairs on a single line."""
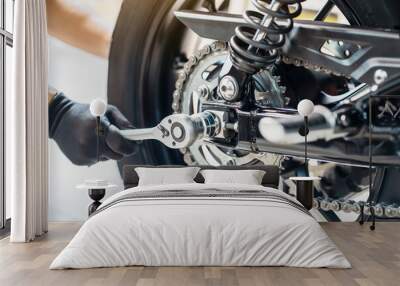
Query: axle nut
{"points": [[228, 88]]}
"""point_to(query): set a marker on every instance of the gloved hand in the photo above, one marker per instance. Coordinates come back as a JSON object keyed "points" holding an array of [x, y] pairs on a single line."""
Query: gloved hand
{"points": [[73, 127]]}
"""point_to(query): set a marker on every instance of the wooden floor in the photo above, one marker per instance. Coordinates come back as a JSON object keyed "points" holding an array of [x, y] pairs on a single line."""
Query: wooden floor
{"points": [[375, 257]]}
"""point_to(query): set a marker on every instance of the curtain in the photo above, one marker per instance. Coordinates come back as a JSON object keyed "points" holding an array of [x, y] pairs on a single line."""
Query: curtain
{"points": [[27, 132]]}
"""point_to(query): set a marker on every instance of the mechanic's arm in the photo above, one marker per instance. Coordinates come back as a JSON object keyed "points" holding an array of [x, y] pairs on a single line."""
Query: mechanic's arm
{"points": [[76, 28], [73, 128]]}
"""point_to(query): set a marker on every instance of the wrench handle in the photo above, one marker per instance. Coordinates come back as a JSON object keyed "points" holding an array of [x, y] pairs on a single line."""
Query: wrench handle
{"points": [[140, 134]]}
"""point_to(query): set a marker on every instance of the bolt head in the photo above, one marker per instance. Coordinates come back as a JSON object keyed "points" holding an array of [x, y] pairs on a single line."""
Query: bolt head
{"points": [[380, 76], [203, 91], [228, 88], [344, 120]]}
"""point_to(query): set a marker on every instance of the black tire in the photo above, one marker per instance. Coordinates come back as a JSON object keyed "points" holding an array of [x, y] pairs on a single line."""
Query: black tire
{"points": [[372, 13], [145, 43]]}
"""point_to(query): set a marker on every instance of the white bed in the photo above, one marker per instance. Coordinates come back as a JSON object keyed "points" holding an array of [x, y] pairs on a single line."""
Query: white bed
{"points": [[185, 230]]}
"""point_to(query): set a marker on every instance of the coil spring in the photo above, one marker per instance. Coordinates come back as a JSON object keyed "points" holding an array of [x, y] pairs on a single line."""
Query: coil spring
{"points": [[249, 53]]}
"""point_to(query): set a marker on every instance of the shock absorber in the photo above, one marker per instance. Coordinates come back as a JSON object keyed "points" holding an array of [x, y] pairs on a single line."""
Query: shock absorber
{"points": [[255, 45]]}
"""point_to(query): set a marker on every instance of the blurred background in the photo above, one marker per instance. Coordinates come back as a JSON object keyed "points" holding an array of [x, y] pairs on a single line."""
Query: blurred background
{"points": [[83, 77]]}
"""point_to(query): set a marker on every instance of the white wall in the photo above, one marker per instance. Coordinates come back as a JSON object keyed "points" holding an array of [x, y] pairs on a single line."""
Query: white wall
{"points": [[82, 77]]}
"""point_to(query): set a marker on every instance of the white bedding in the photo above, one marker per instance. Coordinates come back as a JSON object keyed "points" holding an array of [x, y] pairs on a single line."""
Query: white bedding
{"points": [[200, 231]]}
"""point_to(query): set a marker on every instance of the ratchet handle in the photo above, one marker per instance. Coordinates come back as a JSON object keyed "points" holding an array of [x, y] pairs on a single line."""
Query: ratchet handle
{"points": [[175, 131], [139, 134]]}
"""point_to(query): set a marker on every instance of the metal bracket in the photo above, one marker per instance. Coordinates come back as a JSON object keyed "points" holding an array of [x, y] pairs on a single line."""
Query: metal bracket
{"points": [[253, 130]]}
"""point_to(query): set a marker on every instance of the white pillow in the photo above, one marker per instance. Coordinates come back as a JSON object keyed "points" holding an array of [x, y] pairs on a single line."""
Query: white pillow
{"points": [[164, 176], [246, 177]]}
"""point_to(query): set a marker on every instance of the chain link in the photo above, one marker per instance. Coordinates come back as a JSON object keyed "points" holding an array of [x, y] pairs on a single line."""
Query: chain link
{"points": [[189, 66], [307, 65]]}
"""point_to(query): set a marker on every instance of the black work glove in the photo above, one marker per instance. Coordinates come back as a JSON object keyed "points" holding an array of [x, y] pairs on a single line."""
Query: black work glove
{"points": [[73, 127]]}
